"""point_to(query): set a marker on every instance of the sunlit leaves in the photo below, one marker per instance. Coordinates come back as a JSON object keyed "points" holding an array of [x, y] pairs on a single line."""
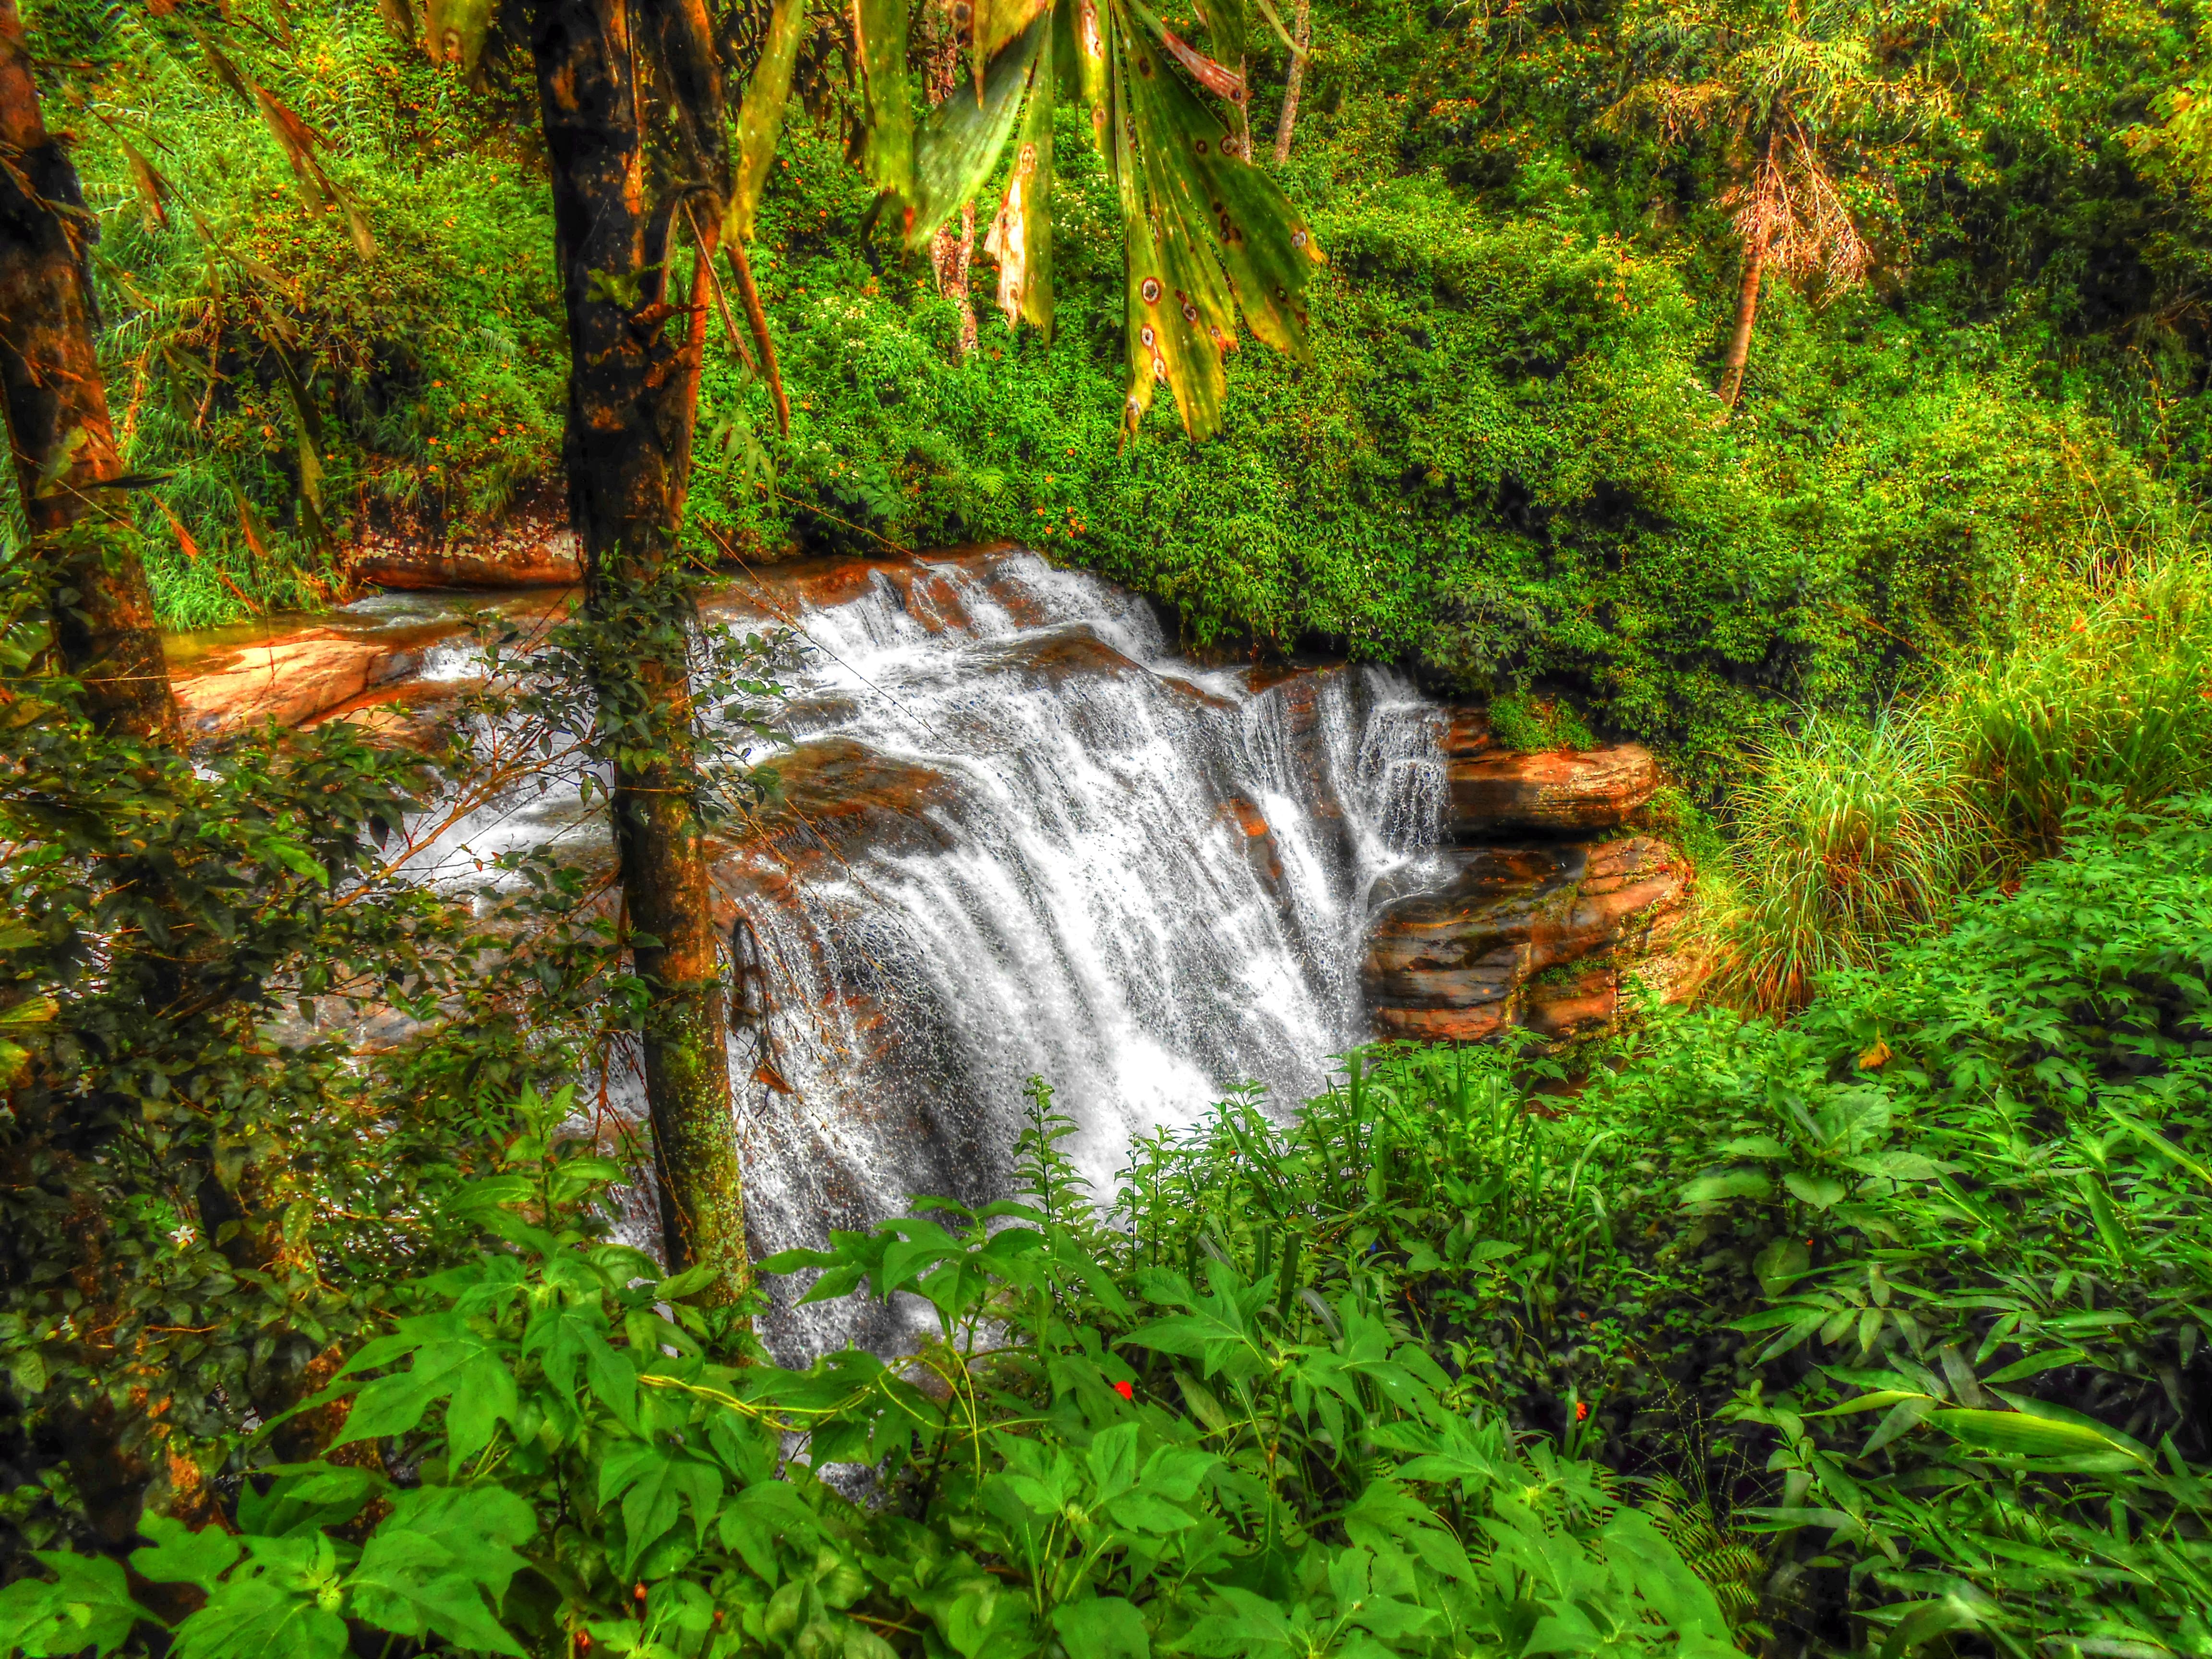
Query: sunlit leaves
{"points": [[760, 118]]}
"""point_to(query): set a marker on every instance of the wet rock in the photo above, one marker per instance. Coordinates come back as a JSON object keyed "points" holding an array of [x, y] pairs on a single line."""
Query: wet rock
{"points": [[1494, 792], [1256, 839], [530, 550], [927, 586], [412, 712], [1458, 962], [835, 796], [290, 680]]}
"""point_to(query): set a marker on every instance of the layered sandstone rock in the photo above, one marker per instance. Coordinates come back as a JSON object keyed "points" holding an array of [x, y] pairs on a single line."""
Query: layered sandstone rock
{"points": [[1487, 949], [1495, 792]]}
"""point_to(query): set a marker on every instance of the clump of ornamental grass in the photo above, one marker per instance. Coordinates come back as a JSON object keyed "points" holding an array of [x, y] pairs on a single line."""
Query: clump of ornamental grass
{"points": [[1851, 836], [2110, 698]]}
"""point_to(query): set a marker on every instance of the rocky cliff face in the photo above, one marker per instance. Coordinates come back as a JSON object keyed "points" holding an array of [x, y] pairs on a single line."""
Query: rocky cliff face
{"points": [[1540, 904]]}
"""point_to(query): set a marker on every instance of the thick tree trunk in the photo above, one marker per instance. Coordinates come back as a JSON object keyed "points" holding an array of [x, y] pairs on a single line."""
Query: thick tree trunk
{"points": [[629, 416], [1747, 309], [1302, 31], [57, 420], [951, 251]]}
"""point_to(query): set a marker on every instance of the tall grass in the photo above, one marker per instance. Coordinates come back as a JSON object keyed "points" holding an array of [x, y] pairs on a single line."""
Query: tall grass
{"points": [[1851, 833], [2115, 698]]}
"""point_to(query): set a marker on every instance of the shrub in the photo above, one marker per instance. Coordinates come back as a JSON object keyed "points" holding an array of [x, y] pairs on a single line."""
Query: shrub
{"points": [[578, 1471], [2110, 698], [1848, 836]]}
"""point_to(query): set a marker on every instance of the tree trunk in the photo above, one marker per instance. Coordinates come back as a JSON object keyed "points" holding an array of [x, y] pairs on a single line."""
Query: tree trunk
{"points": [[1747, 309], [951, 251], [629, 423], [1302, 31], [57, 420]]}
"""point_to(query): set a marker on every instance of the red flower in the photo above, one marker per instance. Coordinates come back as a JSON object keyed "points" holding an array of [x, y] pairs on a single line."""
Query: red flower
{"points": [[1127, 1391], [1582, 1410]]}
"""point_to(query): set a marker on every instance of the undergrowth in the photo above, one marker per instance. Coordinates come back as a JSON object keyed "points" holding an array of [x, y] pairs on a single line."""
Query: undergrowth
{"points": [[1878, 1329], [1846, 835]]}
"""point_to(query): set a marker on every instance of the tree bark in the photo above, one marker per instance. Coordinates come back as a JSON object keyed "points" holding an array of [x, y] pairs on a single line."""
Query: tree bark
{"points": [[58, 426], [629, 415], [952, 252], [1302, 31], [1747, 309]]}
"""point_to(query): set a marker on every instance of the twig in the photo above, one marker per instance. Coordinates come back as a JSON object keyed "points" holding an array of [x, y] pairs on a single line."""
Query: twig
{"points": [[758, 318]]}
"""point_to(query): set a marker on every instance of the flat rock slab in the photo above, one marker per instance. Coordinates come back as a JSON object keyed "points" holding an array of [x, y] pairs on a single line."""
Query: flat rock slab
{"points": [[289, 680], [1495, 792], [528, 550]]}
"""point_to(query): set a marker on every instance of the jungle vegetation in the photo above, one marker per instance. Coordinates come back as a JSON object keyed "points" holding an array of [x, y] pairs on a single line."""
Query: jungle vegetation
{"points": [[1812, 391]]}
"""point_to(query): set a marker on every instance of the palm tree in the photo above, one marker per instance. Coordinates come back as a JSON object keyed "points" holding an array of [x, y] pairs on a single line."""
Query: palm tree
{"points": [[1788, 87]]}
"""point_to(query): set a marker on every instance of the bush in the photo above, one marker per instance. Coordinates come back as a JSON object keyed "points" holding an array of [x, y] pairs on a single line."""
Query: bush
{"points": [[1848, 834], [577, 1470], [2110, 698]]}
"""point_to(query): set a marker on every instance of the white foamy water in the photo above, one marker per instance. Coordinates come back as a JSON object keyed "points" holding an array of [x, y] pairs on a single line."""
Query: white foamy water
{"points": [[1025, 838], [1142, 882]]}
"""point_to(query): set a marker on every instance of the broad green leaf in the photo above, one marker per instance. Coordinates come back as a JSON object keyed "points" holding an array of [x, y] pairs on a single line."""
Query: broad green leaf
{"points": [[262, 1618], [1821, 1192], [963, 138], [761, 118], [180, 1555], [440, 1563], [1113, 1459], [1725, 1184], [881, 27], [1103, 1627], [87, 1605]]}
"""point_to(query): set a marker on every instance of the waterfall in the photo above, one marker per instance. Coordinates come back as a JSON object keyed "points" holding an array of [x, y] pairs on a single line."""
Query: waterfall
{"points": [[1088, 860], [1018, 837]]}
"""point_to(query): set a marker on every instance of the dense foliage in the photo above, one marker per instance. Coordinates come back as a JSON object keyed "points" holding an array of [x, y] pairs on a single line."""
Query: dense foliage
{"points": [[1886, 1319], [1506, 464]]}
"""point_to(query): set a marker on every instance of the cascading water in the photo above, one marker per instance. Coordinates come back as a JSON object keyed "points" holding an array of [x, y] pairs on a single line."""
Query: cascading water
{"points": [[1020, 837], [1086, 860]]}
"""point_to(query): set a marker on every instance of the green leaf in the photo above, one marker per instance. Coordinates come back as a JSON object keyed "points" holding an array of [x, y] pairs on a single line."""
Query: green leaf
{"points": [[881, 26], [2018, 1432], [1725, 1184], [262, 1618], [179, 1555], [87, 1605], [761, 118], [964, 138], [1103, 1627], [440, 1563], [1819, 1191]]}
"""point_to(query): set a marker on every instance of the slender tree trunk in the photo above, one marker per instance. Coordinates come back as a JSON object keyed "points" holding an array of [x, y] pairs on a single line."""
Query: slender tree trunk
{"points": [[57, 420], [1747, 309], [629, 415], [1302, 31], [951, 251]]}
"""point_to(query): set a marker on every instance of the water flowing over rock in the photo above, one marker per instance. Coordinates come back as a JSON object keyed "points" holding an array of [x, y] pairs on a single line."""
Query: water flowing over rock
{"points": [[1015, 836], [1018, 838]]}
